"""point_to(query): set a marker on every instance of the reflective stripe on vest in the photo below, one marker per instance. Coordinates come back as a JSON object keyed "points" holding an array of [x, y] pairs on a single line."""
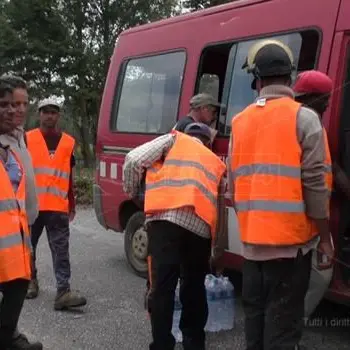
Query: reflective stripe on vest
{"points": [[52, 174], [14, 239], [188, 177], [11, 204], [265, 166], [15, 244]]}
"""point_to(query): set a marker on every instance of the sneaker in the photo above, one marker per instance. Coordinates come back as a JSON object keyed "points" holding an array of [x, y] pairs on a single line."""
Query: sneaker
{"points": [[68, 299], [22, 342], [33, 289]]}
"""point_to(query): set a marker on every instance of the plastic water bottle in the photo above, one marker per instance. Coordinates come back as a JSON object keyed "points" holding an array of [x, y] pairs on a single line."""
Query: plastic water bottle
{"points": [[213, 298], [210, 298], [220, 298], [177, 315], [228, 303]]}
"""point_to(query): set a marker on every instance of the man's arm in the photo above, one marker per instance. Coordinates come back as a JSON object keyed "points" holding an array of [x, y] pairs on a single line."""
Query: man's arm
{"points": [[229, 171], [71, 196], [315, 192], [140, 159], [221, 238]]}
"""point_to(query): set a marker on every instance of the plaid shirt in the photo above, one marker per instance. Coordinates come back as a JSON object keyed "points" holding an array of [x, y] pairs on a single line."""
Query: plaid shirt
{"points": [[140, 159]]}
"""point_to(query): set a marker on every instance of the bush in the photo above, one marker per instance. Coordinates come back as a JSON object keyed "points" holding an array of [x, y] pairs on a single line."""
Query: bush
{"points": [[83, 181]]}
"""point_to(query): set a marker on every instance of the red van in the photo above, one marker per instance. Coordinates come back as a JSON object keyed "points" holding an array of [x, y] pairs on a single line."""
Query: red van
{"points": [[156, 68]]}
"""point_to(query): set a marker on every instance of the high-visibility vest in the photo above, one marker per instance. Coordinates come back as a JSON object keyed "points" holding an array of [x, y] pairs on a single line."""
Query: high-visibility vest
{"points": [[15, 245], [52, 173], [266, 173], [188, 177]]}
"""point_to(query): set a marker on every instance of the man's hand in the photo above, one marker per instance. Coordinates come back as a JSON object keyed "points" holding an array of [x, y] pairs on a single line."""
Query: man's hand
{"points": [[325, 254], [216, 260], [72, 215]]}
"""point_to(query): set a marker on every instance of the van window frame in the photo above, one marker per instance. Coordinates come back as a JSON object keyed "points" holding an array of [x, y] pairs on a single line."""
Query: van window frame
{"points": [[231, 62], [119, 87]]}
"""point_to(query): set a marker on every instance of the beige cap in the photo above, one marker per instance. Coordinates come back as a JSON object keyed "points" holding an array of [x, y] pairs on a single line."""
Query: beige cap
{"points": [[48, 102]]}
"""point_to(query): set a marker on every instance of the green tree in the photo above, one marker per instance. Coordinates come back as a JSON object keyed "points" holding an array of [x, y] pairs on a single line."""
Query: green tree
{"points": [[63, 47], [195, 5]]}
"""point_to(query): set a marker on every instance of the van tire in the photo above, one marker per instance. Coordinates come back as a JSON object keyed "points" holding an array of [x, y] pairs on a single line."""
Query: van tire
{"points": [[136, 244]]}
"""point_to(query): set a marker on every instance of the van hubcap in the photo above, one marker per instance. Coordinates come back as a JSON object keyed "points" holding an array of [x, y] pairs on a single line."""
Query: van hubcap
{"points": [[140, 243]]}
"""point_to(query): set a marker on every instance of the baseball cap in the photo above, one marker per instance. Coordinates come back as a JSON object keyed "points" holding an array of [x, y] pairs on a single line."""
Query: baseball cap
{"points": [[313, 82], [203, 99], [49, 102], [198, 129], [269, 58]]}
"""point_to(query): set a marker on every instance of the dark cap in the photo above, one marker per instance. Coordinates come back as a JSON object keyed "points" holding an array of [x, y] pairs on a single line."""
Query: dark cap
{"points": [[198, 129], [203, 99], [269, 58], [313, 82]]}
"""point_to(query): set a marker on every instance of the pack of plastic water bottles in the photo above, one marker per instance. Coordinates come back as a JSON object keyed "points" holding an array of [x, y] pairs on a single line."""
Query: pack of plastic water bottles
{"points": [[220, 298]]}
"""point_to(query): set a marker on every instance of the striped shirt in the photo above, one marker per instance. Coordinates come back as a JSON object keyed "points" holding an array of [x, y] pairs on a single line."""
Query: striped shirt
{"points": [[140, 159]]}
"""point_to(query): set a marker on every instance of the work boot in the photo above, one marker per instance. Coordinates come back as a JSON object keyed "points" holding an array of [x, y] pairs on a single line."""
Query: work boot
{"points": [[33, 289], [22, 342], [68, 299]]}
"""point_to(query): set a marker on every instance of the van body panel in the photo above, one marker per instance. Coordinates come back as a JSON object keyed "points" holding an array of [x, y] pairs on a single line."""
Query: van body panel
{"points": [[192, 33], [343, 19]]}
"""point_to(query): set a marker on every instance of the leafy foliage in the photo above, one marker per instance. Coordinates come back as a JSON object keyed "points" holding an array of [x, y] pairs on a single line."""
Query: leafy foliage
{"points": [[195, 5], [63, 48], [83, 182]]}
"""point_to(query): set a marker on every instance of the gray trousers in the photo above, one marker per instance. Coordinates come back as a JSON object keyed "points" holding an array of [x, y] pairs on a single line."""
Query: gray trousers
{"points": [[57, 230], [273, 299]]}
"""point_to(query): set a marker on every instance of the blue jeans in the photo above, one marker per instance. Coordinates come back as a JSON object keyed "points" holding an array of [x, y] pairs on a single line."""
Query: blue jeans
{"points": [[57, 230]]}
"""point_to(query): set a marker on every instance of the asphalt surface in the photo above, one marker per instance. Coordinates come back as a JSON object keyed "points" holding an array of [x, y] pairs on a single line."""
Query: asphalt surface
{"points": [[114, 317]]}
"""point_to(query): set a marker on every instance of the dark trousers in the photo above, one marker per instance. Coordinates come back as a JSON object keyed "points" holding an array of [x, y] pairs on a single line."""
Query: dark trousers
{"points": [[273, 300], [172, 250], [14, 293], [57, 230]]}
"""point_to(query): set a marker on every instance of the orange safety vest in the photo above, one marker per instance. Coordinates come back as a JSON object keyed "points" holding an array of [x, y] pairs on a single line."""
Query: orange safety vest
{"points": [[51, 173], [189, 177], [266, 173], [15, 242]]}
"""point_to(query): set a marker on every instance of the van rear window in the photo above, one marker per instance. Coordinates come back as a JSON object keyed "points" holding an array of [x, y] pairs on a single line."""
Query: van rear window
{"points": [[148, 97]]}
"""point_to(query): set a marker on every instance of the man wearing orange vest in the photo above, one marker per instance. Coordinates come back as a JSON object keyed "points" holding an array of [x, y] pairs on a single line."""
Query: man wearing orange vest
{"points": [[281, 188], [53, 160], [14, 232], [184, 190]]}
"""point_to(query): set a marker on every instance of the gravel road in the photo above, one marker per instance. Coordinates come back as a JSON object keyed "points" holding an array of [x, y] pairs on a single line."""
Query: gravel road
{"points": [[114, 317]]}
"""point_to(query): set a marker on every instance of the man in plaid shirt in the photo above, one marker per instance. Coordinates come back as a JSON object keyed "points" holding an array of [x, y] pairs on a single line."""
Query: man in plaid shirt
{"points": [[186, 242]]}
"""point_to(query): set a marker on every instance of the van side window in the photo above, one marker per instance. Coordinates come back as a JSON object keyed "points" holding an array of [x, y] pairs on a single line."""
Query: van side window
{"points": [[212, 70], [304, 46], [148, 95]]}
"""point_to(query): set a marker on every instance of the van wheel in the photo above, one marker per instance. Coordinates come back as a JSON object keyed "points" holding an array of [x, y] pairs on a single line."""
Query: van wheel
{"points": [[136, 244]]}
